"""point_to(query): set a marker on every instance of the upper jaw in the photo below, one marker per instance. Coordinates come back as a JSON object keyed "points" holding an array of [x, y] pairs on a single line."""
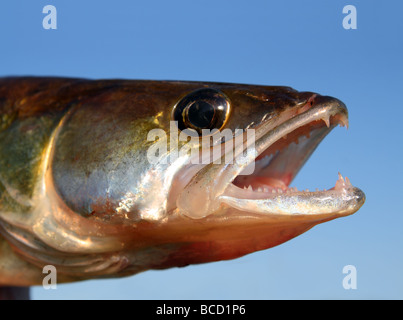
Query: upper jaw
{"points": [[282, 151], [215, 185]]}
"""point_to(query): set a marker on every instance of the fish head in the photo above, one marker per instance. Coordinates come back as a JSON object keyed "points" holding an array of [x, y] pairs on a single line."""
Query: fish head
{"points": [[167, 173], [234, 197]]}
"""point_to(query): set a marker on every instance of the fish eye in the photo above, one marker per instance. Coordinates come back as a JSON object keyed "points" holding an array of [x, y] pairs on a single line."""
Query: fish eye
{"points": [[202, 109]]}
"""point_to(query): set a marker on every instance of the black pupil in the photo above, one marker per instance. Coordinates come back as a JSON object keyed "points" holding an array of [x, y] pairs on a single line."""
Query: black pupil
{"points": [[200, 114]]}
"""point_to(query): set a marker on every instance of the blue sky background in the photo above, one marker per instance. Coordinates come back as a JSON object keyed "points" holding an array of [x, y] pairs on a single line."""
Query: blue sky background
{"points": [[296, 43]]}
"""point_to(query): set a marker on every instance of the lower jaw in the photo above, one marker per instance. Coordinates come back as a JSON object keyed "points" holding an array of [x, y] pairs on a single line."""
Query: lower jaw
{"points": [[258, 191]]}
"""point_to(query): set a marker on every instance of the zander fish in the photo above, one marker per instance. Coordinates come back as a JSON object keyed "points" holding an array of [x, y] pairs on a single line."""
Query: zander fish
{"points": [[95, 181]]}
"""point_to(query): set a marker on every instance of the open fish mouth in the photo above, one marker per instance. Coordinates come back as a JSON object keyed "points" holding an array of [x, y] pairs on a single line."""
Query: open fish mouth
{"points": [[280, 150]]}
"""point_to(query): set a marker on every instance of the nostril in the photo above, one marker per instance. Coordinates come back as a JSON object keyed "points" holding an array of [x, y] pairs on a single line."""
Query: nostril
{"points": [[312, 99], [309, 104]]}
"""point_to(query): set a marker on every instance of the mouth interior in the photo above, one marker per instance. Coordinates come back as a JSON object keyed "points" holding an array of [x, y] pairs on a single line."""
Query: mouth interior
{"points": [[278, 165]]}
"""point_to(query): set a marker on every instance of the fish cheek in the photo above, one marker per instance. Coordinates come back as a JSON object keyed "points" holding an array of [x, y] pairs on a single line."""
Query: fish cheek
{"points": [[96, 161]]}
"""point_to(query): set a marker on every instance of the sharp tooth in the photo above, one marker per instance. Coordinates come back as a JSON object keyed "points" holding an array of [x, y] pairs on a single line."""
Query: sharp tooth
{"points": [[273, 191], [250, 188], [306, 190], [280, 191], [348, 183], [316, 190], [259, 190], [343, 121], [266, 189], [340, 183], [326, 120]]}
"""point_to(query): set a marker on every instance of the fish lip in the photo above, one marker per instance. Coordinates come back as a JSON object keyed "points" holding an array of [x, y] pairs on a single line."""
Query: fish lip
{"points": [[345, 201]]}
